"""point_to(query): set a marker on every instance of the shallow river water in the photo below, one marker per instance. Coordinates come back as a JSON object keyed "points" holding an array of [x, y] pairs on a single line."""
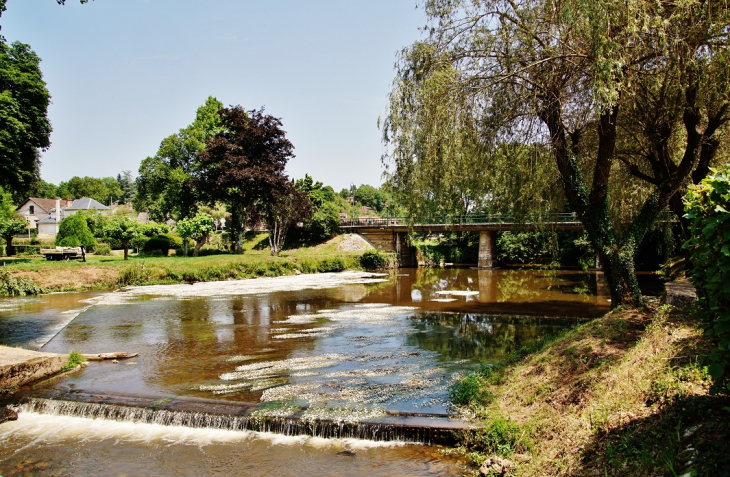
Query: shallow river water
{"points": [[344, 347]]}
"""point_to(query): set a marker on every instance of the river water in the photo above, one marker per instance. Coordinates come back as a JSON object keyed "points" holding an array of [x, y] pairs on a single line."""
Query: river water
{"points": [[340, 347]]}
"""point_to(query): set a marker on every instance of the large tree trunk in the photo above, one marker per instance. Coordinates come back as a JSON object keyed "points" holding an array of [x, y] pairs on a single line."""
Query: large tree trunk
{"points": [[239, 242], [198, 245], [277, 235], [618, 266], [9, 249], [616, 255]]}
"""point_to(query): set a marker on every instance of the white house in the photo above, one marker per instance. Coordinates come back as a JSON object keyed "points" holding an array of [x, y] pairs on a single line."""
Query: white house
{"points": [[48, 226], [35, 209]]}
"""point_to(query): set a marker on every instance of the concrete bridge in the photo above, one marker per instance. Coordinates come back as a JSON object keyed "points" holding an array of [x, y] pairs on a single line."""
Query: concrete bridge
{"points": [[390, 233]]}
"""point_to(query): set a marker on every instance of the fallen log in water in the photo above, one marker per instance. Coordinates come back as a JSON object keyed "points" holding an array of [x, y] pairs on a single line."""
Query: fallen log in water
{"points": [[103, 356]]}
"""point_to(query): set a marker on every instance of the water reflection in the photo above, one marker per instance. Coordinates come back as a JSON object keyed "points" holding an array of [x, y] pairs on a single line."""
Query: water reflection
{"points": [[514, 292], [394, 345]]}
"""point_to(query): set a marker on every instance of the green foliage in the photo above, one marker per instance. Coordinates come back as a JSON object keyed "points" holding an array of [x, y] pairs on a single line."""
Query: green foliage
{"points": [[43, 190], [124, 230], [74, 232], [708, 208], [74, 359], [197, 228], [127, 186], [104, 190], [510, 105], [162, 244], [374, 259], [12, 286], [24, 128], [498, 436], [95, 221], [473, 389], [102, 249], [10, 227], [369, 196], [325, 222], [525, 247], [163, 182]]}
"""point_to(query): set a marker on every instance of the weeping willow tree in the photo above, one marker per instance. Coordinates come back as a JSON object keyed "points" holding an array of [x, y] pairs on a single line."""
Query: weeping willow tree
{"points": [[621, 102]]}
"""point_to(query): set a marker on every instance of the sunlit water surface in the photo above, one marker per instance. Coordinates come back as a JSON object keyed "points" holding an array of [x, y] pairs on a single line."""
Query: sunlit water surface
{"points": [[349, 352]]}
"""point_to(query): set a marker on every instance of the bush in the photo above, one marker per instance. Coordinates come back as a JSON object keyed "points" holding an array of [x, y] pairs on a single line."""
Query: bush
{"points": [[708, 207], [27, 250], [102, 249], [325, 222], [472, 388], [74, 232], [12, 286], [162, 244], [374, 259]]}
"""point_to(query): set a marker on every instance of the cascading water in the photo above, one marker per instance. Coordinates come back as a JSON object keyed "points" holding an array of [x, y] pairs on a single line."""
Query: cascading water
{"points": [[416, 429]]}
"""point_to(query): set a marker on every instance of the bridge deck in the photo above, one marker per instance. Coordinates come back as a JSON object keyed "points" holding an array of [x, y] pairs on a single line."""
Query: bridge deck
{"points": [[465, 223]]}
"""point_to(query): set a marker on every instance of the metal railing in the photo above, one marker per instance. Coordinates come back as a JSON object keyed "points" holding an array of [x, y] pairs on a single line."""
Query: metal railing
{"points": [[472, 219]]}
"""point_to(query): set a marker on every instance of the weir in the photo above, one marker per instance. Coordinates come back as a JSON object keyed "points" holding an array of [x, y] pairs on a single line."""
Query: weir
{"points": [[235, 416]]}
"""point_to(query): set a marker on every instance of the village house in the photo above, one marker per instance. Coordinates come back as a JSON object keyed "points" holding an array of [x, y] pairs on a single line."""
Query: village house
{"points": [[41, 213], [34, 209]]}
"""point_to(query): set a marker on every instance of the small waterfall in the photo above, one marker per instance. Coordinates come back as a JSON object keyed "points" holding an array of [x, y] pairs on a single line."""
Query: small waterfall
{"points": [[404, 428]]}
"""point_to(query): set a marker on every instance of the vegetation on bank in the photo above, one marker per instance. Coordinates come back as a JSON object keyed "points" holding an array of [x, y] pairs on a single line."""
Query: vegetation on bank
{"points": [[101, 272], [625, 394]]}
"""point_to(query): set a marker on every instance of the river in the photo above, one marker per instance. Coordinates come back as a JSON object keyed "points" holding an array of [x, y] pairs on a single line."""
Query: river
{"points": [[339, 347]]}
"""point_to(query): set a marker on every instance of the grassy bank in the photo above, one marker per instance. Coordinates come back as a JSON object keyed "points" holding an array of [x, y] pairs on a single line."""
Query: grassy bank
{"points": [[625, 394], [111, 271]]}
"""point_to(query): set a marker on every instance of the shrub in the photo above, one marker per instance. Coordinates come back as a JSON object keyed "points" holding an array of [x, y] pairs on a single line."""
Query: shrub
{"points": [[708, 207], [102, 249], [12, 286], [374, 259], [74, 232], [162, 243], [74, 359], [472, 388]]}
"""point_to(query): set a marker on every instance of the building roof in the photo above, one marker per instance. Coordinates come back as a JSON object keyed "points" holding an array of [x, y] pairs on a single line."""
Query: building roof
{"points": [[48, 219], [45, 204], [85, 203]]}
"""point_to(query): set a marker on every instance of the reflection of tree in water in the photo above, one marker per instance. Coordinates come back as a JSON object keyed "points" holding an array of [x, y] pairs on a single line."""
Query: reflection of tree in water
{"points": [[478, 337], [517, 284]]}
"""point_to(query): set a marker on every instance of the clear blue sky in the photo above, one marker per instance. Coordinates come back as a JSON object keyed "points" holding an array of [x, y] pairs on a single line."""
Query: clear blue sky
{"points": [[124, 74]]}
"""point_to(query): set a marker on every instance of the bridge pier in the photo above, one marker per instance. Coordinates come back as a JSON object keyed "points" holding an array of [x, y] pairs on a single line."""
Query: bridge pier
{"points": [[487, 249], [405, 252]]}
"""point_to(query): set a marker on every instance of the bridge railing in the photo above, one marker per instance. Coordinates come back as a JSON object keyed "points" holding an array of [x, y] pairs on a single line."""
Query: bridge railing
{"points": [[456, 220]]}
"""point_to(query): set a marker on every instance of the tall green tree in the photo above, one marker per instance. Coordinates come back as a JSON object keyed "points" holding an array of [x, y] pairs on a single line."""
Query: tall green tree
{"points": [[124, 230], [162, 184], [10, 225], [127, 186], [197, 228], [104, 190], [43, 190], [287, 206], [24, 128], [629, 97], [243, 166]]}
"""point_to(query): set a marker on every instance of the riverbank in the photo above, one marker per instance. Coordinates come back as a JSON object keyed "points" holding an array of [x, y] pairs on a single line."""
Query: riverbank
{"points": [[21, 366], [104, 272], [625, 394]]}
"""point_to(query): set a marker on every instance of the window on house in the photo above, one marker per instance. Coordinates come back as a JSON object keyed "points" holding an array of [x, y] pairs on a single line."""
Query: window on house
{"points": [[32, 210]]}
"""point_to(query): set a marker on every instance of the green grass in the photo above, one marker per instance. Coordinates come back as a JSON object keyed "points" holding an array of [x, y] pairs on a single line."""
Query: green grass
{"points": [[141, 269], [74, 359]]}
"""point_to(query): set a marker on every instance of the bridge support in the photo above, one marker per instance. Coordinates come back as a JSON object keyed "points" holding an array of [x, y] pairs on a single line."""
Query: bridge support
{"points": [[486, 249], [405, 252]]}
